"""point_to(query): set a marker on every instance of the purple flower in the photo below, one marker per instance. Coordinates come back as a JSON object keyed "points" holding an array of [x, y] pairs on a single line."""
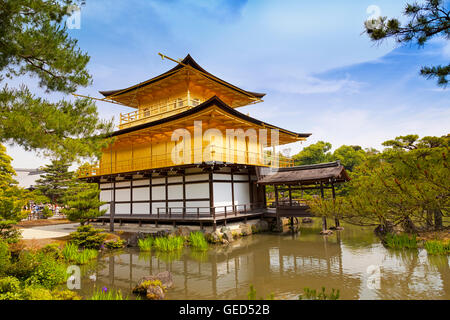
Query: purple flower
{"points": [[104, 289]]}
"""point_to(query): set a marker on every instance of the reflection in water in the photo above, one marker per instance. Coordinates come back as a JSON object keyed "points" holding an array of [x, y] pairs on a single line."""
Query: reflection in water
{"points": [[284, 265]]}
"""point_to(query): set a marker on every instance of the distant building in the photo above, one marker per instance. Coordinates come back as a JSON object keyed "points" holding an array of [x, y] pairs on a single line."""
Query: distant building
{"points": [[27, 177]]}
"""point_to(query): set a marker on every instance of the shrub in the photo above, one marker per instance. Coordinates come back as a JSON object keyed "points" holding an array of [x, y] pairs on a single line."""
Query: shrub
{"points": [[8, 232], [10, 288], [36, 293], [198, 241], [48, 274], [5, 257], [53, 250], [146, 244], [88, 237], [47, 213], [65, 295], [115, 244], [24, 265]]}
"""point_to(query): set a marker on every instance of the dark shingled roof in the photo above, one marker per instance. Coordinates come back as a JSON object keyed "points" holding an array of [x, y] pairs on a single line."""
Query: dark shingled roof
{"points": [[212, 101], [307, 174], [188, 61]]}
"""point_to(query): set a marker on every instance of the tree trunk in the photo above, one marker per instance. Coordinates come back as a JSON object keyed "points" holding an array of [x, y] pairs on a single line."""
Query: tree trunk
{"points": [[437, 219], [429, 218], [336, 222], [324, 223]]}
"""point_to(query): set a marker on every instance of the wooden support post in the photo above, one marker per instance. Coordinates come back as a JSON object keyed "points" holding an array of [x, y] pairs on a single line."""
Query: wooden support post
{"points": [[140, 223], [336, 219], [290, 196], [276, 195]]}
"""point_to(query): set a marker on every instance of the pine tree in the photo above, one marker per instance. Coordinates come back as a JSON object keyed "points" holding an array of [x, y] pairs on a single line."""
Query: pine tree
{"points": [[82, 201], [34, 42], [428, 19], [55, 181]]}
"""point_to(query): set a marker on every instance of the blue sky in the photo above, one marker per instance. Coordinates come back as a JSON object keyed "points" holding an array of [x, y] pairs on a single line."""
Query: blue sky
{"points": [[320, 73]]}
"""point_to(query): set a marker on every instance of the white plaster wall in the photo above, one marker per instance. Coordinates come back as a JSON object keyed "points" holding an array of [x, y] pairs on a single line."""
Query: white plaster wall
{"points": [[156, 205], [222, 195], [141, 208], [123, 184], [106, 185], [141, 182], [159, 193], [141, 194], [174, 179], [158, 180], [175, 192], [191, 207], [177, 207], [105, 195], [240, 177], [122, 208], [241, 194], [123, 195], [105, 206], [221, 176], [197, 177], [197, 190]]}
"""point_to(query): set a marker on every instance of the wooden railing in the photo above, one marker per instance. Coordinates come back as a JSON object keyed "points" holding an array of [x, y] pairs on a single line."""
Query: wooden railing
{"points": [[156, 112], [214, 154]]}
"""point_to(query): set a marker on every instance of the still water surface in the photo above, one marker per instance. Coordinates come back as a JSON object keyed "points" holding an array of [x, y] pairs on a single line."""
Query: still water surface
{"points": [[353, 261]]}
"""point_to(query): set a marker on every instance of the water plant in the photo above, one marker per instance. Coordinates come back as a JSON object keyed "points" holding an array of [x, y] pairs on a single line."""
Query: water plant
{"points": [[71, 253], [312, 294], [198, 241], [400, 241], [437, 247], [146, 244], [170, 243], [252, 294], [107, 294]]}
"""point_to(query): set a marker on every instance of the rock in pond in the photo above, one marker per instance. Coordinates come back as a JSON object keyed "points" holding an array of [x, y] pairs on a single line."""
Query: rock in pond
{"points": [[154, 287], [307, 220], [326, 232]]}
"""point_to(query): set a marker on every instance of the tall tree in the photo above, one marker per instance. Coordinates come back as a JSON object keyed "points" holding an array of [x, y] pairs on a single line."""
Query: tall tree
{"points": [[56, 180], [349, 156], [426, 20], [34, 43], [314, 153]]}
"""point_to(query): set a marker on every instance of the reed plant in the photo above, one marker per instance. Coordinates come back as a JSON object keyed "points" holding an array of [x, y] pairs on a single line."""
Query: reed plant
{"points": [[107, 294], [71, 253], [198, 241], [400, 241], [437, 247], [170, 243], [146, 244]]}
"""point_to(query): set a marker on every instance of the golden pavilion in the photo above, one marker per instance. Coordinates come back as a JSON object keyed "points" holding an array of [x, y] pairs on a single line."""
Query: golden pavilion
{"points": [[186, 153]]}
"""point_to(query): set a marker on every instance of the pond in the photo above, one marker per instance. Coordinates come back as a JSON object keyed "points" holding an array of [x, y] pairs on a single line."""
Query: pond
{"points": [[352, 260]]}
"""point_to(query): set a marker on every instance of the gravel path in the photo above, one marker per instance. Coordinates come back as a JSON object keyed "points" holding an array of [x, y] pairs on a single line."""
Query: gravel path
{"points": [[47, 232]]}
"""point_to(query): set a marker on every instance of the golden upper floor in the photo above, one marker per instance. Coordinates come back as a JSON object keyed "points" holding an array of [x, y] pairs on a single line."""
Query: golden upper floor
{"points": [[181, 88]]}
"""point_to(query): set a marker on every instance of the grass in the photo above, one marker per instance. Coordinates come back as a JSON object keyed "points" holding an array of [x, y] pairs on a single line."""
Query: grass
{"points": [[400, 241], [312, 294], [71, 253], [198, 241], [146, 244], [437, 247], [107, 294], [168, 244]]}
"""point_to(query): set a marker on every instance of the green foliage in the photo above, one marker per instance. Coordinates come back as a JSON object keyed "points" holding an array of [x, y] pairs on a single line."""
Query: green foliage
{"points": [[55, 180], [8, 232], [70, 252], [198, 241], [146, 244], [311, 294], [404, 184], [252, 293], [349, 156], [400, 241], [437, 247], [35, 43], [46, 212], [5, 257], [115, 244], [10, 288], [107, 294], [170, 243], [425, 20], [83, 202], [48, 274], [88, 237], [52, 250], [23, 266], [314, 153]]}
